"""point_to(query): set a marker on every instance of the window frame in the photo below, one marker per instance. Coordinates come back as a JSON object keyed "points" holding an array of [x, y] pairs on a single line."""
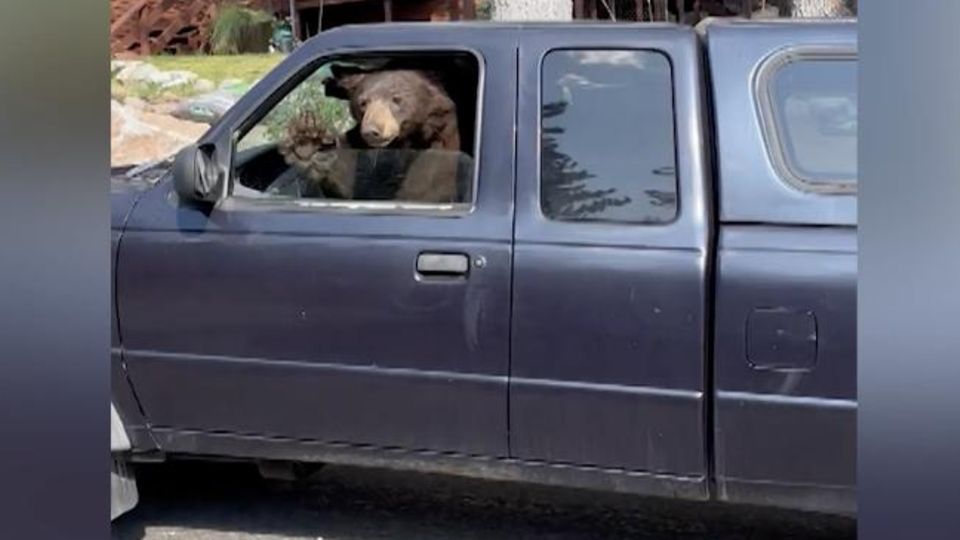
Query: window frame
{"points": [[355, 207], [763, 97], [673, 112]]}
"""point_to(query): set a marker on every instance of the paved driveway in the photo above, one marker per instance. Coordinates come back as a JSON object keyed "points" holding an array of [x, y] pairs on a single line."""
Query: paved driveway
{"points": [[195, 501]]}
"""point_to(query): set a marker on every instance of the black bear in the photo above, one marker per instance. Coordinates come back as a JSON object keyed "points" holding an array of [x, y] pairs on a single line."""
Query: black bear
{"points": [[400, 108], [405, 145]]}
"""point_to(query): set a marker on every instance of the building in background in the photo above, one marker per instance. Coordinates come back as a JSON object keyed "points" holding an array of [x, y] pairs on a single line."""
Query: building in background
{"points": [[139, 27], [311, 15], [177, 26]]}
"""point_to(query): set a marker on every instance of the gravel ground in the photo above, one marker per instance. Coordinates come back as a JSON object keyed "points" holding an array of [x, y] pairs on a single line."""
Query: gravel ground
{"points": [[202, 501]]}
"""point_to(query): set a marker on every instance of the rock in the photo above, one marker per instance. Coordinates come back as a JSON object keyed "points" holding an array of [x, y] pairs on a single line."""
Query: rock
{"points": [[173, 79], [205, 108], [137, 72], [231, 83], [204, 85], [164, 107], [118, 91], [137, 136], [116, 66], [125, 122], [143, 73], [135, 103]]}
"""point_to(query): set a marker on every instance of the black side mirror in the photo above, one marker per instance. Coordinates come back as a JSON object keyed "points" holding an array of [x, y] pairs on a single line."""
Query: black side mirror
{"points": [[196, 176]]}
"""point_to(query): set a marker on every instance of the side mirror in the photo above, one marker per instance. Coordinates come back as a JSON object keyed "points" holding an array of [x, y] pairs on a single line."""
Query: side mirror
{"points": [[195, 174]]}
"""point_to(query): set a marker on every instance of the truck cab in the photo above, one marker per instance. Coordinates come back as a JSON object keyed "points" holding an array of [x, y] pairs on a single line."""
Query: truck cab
{"points": [[645, 281]]}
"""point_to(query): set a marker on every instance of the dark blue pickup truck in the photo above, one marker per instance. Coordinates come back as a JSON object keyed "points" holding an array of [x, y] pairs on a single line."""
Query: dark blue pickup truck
{"points": [[630, 264]]}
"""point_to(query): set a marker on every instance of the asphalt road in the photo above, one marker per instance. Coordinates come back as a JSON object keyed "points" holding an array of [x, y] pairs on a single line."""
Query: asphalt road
{"points": [[199, 501]]}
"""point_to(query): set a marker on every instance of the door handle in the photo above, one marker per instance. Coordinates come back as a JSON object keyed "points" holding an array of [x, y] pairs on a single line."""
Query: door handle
{"points": [[443, 264]]}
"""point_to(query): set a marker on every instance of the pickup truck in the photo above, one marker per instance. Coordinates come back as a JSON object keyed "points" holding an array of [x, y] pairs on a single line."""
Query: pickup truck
{"points": [[645, 282]]}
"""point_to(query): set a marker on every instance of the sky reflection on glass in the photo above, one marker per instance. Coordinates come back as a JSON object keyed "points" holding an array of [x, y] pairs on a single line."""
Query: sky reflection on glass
{"points": [[608, 136]]}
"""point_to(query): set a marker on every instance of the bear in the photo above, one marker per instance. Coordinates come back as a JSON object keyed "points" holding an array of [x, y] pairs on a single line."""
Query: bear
{"points": [[312, 148], [396, 108], [405, 145]]}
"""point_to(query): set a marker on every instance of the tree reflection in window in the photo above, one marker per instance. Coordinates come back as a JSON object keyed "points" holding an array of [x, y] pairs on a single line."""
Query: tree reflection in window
{"points": [[607, 137], [567, 196]]}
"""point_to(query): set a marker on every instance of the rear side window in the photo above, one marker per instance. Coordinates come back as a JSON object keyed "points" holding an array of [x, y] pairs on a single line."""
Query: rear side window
{"points": [[607, 150], [810, 107]]}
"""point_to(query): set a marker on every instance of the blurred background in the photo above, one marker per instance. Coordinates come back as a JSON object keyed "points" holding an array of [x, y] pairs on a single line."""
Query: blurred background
{"points": [[177, 65]]}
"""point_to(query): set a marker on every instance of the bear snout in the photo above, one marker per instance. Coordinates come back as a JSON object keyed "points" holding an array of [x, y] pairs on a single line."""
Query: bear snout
{"points": [[379, 126]]}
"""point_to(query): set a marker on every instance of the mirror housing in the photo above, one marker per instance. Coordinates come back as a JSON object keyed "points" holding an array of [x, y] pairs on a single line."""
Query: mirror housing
{"points": [[195, 174]]}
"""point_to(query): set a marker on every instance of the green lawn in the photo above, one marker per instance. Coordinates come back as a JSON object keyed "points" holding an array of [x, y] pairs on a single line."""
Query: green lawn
{"points": [[216, 68], [246, 67]]}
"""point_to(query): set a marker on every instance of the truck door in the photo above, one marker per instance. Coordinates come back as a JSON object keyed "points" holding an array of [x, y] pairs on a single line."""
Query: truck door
{"points": [[610, 253], [360, 322], [785, 342]]}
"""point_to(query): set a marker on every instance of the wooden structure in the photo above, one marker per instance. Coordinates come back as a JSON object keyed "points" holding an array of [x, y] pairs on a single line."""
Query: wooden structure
{"points": [[140, 27], [313, 15], [683, 11], [152, 26]]}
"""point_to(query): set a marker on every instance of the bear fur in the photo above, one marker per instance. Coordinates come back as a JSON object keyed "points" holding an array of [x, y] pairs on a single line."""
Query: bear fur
{"points": [[405, 146], [399, 108], [311, 148]]}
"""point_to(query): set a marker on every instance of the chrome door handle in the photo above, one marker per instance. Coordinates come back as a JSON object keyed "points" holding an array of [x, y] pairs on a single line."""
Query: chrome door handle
{"points": [[445, 264]]}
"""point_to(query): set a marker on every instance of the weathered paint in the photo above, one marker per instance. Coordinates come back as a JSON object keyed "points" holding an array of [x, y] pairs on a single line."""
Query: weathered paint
{"points": [[299, 332]]}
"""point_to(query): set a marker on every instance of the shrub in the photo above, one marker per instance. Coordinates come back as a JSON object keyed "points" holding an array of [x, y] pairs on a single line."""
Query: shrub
{"points": [[238, 30], [484, 10], [309, 96]]}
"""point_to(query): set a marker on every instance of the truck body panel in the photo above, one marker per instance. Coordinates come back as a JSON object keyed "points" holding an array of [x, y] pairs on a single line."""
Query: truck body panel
{"points": [[703, 347], [608, 342], [784, 355], [317, 324]]}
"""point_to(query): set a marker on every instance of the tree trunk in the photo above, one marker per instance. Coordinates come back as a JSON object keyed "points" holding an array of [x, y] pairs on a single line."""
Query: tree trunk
{"points": [[820, 8], [532, 10]]}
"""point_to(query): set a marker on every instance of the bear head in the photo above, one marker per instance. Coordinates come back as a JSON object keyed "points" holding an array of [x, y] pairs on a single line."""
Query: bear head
{"points": [[399, 108]]}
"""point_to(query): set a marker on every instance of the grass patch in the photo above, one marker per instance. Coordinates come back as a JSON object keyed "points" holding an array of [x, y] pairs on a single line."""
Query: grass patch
{"points": [[149, 92], [246, 67], [216, 68]]}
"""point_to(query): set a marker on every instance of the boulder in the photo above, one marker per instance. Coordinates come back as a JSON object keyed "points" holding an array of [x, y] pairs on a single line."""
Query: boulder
{"points": [[137, 72], [206, 108], [204, 85], [174, 79], [143, 73], [231, 83], [135, 103], [117, 66], [138, 136]]}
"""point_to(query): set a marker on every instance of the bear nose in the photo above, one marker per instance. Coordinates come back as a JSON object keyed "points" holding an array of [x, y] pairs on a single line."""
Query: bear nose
{"points": [[379, 126]]}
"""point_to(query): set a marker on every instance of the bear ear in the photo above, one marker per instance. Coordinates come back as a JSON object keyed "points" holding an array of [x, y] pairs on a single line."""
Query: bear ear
{"points": [[343, 81], [435, 77]]}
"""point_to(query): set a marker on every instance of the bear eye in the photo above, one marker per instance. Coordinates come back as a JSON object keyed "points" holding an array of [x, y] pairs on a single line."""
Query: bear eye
{"points": [[363, 103], [397, 100]]}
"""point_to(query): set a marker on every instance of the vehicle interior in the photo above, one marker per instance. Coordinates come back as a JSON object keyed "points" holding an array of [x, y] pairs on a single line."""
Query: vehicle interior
{"points": [[262, 171]]}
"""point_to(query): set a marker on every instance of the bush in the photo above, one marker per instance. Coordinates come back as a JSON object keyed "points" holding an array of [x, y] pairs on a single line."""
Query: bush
{"points": [[484, 10], [309, 96], [238, 30]]}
